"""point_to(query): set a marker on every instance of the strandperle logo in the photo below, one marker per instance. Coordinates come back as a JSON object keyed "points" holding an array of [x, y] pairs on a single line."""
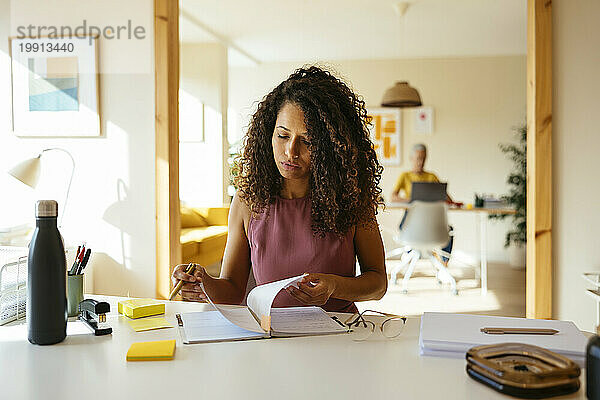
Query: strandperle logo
{"points": [[127, 31]]}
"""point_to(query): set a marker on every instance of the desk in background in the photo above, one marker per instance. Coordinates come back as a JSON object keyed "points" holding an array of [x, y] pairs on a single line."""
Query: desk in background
{"points": [[325, 367], [482, 216]]}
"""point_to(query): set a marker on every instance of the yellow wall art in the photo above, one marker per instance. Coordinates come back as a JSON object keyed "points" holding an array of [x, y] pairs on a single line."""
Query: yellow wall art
{"points": [[386, 134]]}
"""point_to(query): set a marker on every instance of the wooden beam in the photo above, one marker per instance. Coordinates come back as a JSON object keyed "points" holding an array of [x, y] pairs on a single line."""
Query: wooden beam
{"points": [[166, 59], [539, 159]]}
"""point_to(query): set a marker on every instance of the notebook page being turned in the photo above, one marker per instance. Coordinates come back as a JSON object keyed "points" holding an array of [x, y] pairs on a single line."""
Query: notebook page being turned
{"points": [[260, 299], [241, 316]]}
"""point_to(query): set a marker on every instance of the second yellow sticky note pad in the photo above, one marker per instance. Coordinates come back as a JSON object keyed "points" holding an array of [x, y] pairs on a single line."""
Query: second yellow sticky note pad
{"points": [[147, 324], [152, 351]]}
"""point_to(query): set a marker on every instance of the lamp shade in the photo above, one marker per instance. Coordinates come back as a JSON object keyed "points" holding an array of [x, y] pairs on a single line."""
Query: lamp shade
{"points": [[401, 95], [27, 171]]}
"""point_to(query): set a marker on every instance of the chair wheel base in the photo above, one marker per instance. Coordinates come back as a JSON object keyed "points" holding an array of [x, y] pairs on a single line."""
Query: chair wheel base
{"points": [[404, 291]]}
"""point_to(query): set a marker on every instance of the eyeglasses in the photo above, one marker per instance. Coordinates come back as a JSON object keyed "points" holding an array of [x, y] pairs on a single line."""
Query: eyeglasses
{"points": [[361, 328]]}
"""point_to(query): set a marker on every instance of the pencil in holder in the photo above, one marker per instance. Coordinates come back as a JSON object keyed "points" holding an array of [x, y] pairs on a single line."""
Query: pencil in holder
{"points": [[74, 294]]}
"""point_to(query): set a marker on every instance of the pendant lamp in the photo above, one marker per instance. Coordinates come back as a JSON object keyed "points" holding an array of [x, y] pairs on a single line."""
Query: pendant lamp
{"points": [[401, 95]]}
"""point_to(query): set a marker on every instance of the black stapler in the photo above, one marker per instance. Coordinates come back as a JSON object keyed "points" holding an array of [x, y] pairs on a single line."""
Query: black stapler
{"points": [[93, 314]]}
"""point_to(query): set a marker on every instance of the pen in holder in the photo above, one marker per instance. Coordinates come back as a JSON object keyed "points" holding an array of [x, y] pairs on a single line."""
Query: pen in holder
{"points": [[74, 294]]}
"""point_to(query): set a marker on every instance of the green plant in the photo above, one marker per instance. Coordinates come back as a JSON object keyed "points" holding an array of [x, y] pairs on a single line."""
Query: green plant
{"points": [[517, 195]]}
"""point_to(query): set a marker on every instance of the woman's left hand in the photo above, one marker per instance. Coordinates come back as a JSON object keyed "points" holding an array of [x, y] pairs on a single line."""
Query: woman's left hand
{"points": [[314, 289]]}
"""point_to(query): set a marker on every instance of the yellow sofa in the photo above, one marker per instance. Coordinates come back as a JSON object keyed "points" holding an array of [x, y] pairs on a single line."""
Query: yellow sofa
{"points": [[203, 236]]}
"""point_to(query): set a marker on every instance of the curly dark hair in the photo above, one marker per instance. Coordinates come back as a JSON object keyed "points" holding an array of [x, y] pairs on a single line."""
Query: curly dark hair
{"points": [[345, 173]]}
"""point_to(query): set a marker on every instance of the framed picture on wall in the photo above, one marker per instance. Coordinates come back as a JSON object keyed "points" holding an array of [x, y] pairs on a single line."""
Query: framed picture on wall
{"points": [[423, 123], [386, 134], [55, 87]]}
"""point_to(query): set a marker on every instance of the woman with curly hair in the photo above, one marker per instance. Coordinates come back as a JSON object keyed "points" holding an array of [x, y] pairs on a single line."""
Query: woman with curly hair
{"points": [[306, 202]]}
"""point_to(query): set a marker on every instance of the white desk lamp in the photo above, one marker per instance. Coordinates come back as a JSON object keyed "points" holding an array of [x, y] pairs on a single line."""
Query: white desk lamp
{"points": [[28, 172]]}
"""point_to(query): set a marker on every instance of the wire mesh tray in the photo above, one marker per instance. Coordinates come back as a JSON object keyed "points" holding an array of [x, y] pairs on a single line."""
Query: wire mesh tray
{"points": [[13, 283]]}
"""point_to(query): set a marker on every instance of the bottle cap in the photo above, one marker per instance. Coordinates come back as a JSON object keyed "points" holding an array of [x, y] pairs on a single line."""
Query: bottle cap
{"points": [[46, 208]]}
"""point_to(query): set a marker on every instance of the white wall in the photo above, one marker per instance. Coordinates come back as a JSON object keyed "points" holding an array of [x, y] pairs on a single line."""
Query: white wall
{"points": [[120, 229], [476, 102], [576, 217], [203, 75]]}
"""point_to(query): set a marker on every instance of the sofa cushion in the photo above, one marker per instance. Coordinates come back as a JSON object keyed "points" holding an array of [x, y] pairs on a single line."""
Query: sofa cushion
{"points": [[203, 234], [191, 218], [214, 215], [198, 244]]}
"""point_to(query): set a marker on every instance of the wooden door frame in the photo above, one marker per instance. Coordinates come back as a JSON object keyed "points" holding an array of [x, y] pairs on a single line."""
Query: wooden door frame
{"points": [[539, 151], [166, 59], [539, 159]]}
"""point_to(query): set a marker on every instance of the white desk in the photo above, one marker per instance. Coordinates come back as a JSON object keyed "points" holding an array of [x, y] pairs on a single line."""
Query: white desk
{"points": [[328, 367], [482, 216]]}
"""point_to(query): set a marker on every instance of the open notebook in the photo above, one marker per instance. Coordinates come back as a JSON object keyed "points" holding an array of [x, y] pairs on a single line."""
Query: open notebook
{"points": [[258, 320]]}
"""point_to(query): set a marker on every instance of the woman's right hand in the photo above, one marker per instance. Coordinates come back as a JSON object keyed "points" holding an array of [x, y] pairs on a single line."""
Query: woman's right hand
{"points": [[191, 290]]}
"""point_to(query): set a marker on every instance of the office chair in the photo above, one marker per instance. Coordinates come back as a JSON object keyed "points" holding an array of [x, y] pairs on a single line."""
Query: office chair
{"points": [[423, 234]]}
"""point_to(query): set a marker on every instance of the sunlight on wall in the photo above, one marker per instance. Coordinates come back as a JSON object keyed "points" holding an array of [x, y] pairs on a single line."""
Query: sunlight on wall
{"points": [[112, 200], [235, 129], [203, 81], [200, 180], [191, 118], [5, 109], [117, 214]]}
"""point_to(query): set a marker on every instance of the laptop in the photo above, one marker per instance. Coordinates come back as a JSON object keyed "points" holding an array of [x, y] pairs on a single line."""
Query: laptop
{"points": [[428, 191]]}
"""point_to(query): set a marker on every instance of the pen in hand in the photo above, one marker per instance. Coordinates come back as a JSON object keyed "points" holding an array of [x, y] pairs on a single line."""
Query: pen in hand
{"points": [[189, 270]]}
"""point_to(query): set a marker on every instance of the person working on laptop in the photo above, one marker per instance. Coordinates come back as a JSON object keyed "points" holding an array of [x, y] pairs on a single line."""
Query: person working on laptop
{"points": [[402, 189]]}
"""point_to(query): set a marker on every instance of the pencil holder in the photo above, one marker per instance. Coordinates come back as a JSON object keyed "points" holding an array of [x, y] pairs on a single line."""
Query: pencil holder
{"points": [[74, 294]]}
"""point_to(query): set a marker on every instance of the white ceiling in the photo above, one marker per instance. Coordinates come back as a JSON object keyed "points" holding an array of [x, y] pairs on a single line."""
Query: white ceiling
{"points": [[302, 30]]}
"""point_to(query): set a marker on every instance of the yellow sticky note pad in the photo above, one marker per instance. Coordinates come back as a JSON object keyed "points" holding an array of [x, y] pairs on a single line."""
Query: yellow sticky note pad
{"points": [[152, 351], [148, 324], [137, 308]]}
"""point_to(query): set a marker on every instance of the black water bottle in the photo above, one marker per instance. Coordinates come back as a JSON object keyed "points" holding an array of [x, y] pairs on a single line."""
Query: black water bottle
{"points": [[46, 279], [593, 368]]}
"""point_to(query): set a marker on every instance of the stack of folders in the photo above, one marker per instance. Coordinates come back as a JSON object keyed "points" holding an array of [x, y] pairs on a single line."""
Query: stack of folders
{"points": [[451, 335]]}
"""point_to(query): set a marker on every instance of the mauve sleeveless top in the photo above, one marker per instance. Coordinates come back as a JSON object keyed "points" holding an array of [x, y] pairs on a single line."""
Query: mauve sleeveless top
{"points": [[282, 245]]}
